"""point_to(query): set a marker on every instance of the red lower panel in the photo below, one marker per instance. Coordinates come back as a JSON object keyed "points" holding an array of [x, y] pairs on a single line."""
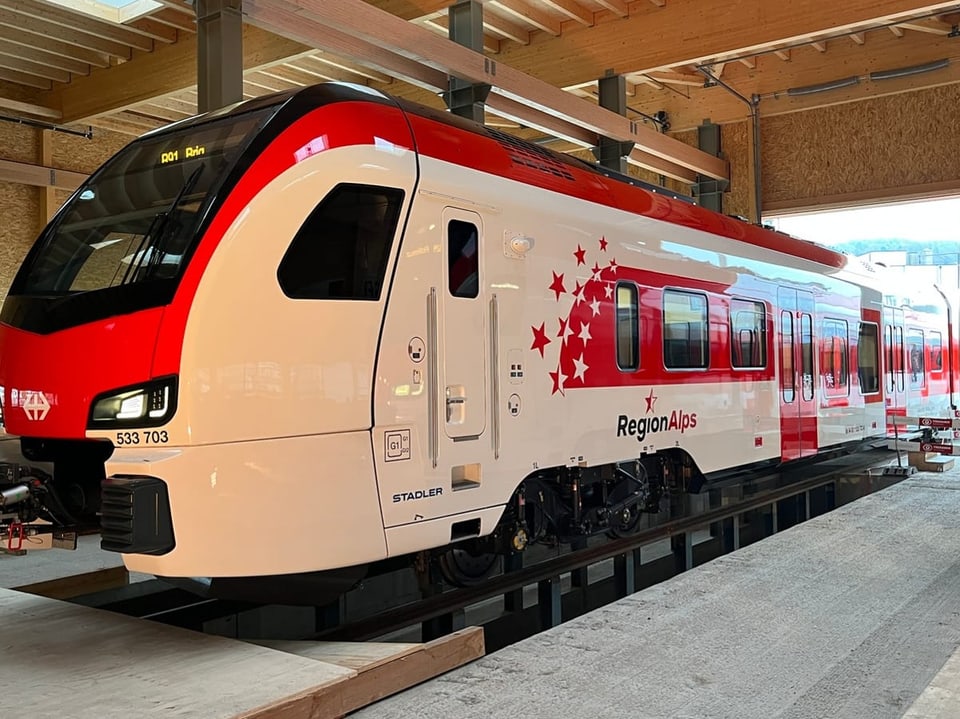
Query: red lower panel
{"points": [[49, 380]]}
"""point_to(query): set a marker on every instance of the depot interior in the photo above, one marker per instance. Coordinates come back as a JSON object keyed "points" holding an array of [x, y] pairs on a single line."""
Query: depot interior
{"points": [[779, 108]]}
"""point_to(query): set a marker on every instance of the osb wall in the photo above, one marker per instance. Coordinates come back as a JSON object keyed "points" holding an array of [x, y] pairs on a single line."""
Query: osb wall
{"points": [[20, 221], [873, 146]]}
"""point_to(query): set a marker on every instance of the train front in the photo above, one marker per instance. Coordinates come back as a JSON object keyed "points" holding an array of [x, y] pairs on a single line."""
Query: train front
{"points": [[191, 342]]}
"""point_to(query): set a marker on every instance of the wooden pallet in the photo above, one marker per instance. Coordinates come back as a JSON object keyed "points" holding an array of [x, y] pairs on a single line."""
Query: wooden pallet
{"points": [[365, 672]]}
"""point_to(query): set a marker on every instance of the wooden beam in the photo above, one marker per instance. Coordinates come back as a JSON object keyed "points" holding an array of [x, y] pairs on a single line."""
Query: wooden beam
{"points": [[858, 38], [491, 44], [819, 46], [572, 10], [43, 57], [79, 38], [175, 19], [617, 7], [166, 70], [23, 39], [112, 32], [502, 26], [525, 12], [668, 40], [34, 68], [23, 78], [749, 62], [928, 191], [896, 31], [938, 29], [783, 54], [28, 108], [677, 78], [314, 19], [24, 173], [347, 66]]}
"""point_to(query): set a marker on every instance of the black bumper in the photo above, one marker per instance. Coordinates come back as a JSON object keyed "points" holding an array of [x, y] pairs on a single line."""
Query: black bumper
{"points": [[135, 515]]}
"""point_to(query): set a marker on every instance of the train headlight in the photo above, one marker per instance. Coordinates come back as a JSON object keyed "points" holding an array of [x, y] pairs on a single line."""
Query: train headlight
{"points": [[146, 405]]}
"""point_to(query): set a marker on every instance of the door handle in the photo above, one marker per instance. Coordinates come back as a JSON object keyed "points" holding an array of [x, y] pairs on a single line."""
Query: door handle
{"points": [[456, 404]]}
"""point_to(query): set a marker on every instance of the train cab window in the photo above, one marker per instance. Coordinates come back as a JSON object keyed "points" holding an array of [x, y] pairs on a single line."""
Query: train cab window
{"points": [[868, 358], [915, 353], [788, 378], [936, 352], [806, 356], [685, 330], [341, 250], [463, 257], [748, 334], [628, 327], [834, 367]]}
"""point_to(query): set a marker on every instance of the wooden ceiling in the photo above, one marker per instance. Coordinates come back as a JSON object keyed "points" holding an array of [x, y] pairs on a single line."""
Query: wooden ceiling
{"points": [[62, 66]]}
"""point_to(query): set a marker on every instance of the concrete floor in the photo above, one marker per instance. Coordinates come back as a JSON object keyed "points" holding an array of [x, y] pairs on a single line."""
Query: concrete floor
{"points": [[852, 614], [42, 565]]}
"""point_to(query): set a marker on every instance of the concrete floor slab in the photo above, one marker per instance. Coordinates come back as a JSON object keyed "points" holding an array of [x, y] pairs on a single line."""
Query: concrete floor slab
{"points": [[851, 614]]}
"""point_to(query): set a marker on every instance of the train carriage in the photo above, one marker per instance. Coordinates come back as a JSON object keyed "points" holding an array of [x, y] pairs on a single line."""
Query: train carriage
{"points": [[366, 329]]}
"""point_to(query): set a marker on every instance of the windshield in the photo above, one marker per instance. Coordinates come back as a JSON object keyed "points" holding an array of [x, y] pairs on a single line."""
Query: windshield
{"points": [[135, 220]]}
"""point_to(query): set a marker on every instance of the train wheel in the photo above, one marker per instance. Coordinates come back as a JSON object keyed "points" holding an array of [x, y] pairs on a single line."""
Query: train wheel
{"points": [[464, 569]]}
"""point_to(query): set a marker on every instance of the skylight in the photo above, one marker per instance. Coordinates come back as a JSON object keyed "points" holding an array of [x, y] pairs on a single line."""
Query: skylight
{"points": [[118, 11]]}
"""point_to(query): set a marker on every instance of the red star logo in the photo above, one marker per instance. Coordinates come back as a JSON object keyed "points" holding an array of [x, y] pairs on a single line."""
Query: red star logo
{"points": [[540, 339], [613, 265], [558, 378], [651, 401], [579, 254], [563, 327], [596, 269], [603, 244], [557, 285], [577, 290]]}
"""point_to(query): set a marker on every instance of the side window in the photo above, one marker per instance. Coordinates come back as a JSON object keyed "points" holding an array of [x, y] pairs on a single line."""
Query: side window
{"points": [[463, 256], [936, 352], [834, 368], [868, 358], [628, 327], [888, 343], [901, 361], [915, 354], [787, 376], [341, 250], [748, 334], [806, 355], [685, 330]]}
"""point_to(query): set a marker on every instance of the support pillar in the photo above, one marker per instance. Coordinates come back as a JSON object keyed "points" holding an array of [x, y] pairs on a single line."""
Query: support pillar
{"points": [[219, 54], [465, 27], [612, 154], [709, 192]]}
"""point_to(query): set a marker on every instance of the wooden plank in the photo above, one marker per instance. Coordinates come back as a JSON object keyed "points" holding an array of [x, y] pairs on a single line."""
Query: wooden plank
{"points": [[28, 108], [23, 39], [79, 584], [79, 38], [27, 174], [927, 191], [360, 656], [166, 70], [315, 19], [349, 694], [49, 59], [95, 27]]}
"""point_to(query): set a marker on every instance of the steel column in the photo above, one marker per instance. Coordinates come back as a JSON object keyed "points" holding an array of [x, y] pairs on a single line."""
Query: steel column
{"points": [[465, 27], [610, 153], [709, 192], [219, 54]]}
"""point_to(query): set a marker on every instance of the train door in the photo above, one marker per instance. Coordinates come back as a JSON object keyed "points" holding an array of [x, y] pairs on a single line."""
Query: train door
{"points": [[894, 363], [798, 408], [463, 375]]}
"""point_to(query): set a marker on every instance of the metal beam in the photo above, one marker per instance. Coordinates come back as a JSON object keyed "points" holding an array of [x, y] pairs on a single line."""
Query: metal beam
{"points": [[219, 54], [465, 98], [311, 20]]}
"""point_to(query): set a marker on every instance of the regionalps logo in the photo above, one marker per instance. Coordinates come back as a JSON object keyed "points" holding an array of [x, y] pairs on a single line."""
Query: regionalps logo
{"points": [[641, 427]]}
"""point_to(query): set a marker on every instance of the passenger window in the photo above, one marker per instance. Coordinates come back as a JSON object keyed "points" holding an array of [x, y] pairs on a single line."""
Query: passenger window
{"points": [[628, 327], [685, 330], [806, 356], [748, 334], [916, 354], [341, 250], [463, 257], [787, 376], [936, 352], [834, 368], [868, 358]]}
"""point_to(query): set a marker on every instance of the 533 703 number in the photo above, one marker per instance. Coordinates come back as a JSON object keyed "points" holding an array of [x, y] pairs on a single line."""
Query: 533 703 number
{"points": [[142, 436]]}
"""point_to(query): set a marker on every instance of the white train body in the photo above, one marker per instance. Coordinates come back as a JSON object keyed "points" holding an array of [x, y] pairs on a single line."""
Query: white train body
{"points": [[513, 326]]}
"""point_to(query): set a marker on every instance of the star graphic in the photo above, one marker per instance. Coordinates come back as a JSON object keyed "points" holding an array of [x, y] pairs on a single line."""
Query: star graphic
{"points": [[579, 254], [584, 333], [557, 285], [613, 266], [578, 293], [608, 291], [651, 401], [565, 330], [540, 339], [558, 378], [580, 368], [603, 244], [595, 306], [596, 270]]}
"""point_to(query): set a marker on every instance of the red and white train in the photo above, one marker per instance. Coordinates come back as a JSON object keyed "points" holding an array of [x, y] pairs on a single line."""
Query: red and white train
{"points": [[324, 328]]}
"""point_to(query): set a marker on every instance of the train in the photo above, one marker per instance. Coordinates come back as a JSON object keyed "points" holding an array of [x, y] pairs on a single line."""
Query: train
{"points": [[327, 328]]}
